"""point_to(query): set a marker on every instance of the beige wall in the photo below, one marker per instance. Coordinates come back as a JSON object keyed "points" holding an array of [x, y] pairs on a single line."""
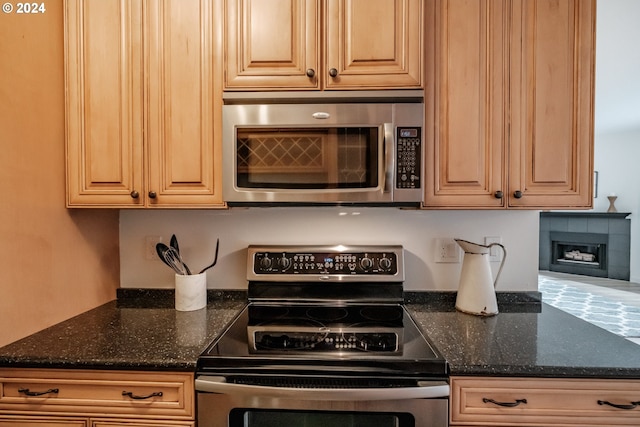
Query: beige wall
{"points": [[54, 263]]}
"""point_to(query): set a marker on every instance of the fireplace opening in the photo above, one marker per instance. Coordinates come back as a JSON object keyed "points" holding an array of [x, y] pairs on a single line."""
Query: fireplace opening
{"points": [[579, 253]]}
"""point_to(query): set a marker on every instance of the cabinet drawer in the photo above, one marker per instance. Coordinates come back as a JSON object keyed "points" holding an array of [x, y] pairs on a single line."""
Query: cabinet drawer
{"points": [[143, 394], [22, 421], [544, 402], [140, 423]]}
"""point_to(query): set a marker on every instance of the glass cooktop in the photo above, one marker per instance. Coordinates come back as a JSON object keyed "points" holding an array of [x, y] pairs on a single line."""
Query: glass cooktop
{"points": [[358, 338]]}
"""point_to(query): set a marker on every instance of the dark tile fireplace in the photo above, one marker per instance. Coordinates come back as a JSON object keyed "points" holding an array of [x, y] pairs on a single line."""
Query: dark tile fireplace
{"points": [[586, 243]]}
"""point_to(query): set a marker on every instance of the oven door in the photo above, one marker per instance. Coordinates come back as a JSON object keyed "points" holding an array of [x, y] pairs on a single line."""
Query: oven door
{"points": [[221, 404]]}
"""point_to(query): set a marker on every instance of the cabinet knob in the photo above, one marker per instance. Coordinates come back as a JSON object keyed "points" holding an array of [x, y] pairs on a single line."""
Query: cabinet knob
{"points": [[333, 72], [517, 194], [311, 72], [498, 194], [134, 194], [152, 194]]}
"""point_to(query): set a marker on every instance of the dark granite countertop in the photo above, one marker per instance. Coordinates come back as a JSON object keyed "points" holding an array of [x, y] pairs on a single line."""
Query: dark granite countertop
{"points": [[544, 343], [144, 332]]}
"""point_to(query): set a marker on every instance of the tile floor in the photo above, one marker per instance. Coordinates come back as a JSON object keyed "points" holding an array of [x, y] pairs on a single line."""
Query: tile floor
{"points": [[611, 304]]}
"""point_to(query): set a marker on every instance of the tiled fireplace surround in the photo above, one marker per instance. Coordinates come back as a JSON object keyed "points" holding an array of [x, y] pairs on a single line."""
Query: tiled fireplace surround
{"points": [[583, 228]]}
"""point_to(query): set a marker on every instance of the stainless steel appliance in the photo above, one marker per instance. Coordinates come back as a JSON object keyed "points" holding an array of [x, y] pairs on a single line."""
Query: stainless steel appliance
{"points": [[323, 153], [324, 340]]}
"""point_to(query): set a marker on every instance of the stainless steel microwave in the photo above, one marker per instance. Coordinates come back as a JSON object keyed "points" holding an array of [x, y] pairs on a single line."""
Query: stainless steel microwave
{"points": [[323, 153]]}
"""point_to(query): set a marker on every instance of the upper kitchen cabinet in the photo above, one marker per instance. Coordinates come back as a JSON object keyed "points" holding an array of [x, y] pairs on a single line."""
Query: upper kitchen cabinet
{"points": [[104, 113], [143, 104], [552, 104], [465, 121], [510, 123], [375, 44], [323, 44], [272, 44]]}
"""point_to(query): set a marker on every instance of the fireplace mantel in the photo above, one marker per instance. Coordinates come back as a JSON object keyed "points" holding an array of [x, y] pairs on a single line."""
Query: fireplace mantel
{"points": [[615, 226], [612, 215]]}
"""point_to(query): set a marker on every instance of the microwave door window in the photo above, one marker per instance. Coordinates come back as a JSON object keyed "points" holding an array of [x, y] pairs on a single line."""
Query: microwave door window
{"points": [[305, 158]]}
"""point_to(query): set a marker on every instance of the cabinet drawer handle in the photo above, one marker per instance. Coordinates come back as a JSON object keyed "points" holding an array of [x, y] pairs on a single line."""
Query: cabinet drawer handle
{"points": [[633, 405], [333, 72], [149, 396], [37, 393], [507, 404], [517, 194]]}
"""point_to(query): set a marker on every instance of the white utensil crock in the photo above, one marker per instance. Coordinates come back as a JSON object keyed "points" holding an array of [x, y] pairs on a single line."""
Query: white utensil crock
{"points": [[191, 292]]}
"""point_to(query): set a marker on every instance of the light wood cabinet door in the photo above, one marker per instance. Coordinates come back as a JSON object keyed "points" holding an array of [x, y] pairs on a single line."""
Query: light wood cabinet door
{"points": [[143, 103], [184, 116], [511, 120], [373, 44], [552, 95], [323, 44], [103, 73], [272, 44], [465, 117]]}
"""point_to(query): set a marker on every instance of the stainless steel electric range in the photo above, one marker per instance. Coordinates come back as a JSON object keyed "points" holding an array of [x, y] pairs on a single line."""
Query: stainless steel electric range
{"points": [[324, 338]]}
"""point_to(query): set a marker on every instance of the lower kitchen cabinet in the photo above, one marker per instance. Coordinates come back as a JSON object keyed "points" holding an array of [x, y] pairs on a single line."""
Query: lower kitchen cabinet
{"points": [[140, 423], [26, 421], [84, 398], [548, 402], [23, 421]]}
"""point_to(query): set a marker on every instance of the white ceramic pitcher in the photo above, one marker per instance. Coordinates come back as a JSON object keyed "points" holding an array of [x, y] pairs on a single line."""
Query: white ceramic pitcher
{"points": [[476, 290]]}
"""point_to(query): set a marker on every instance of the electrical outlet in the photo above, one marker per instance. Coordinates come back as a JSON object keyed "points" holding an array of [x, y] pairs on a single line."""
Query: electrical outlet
{"points": [[447, 250], [495, 253], [150, 247]]}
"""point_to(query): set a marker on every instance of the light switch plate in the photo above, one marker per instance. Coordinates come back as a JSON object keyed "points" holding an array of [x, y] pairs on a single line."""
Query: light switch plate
{"points": [[495, 254], [150, 252]]}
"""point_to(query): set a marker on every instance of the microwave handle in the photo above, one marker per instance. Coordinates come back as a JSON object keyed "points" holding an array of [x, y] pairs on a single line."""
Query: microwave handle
{"points": [[424, 390], [389, 148]]}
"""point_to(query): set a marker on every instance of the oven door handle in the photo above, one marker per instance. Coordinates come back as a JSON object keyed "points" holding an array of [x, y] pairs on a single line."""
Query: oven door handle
{"points": [[425, 390]]}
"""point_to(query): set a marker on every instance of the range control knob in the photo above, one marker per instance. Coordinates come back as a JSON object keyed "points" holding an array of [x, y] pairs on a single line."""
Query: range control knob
{"points": [[366, 263], [385, 263], [265, 263], [284, 263]]}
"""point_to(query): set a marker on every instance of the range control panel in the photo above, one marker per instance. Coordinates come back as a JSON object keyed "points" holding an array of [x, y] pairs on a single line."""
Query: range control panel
{"points": [[326, 341], [325, 262]]}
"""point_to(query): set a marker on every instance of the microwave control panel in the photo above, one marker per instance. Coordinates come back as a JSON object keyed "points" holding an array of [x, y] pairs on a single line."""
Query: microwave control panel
{"points": [[408, 157]]}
